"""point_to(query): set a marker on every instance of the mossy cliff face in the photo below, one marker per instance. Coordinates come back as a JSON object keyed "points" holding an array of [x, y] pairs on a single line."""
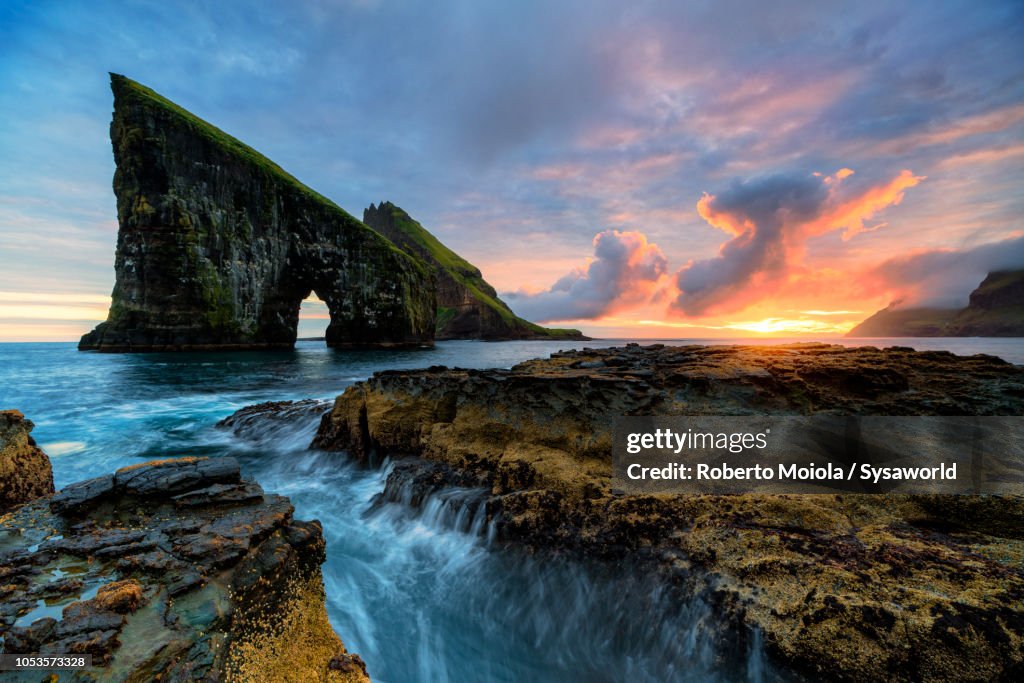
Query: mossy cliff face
{"points": [[175, 571], [468, 307], [25, 472], [995, 309], [218, 246], [851, 587]]}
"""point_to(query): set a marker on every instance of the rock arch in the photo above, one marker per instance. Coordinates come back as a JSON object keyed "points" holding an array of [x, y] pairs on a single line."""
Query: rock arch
{"points": [[218, 246]]}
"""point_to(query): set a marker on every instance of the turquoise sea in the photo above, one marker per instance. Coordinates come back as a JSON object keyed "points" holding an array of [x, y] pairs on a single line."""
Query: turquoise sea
{"points": [[420, 594]]}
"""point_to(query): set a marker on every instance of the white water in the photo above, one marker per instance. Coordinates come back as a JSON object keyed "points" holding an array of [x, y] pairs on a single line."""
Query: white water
{"points": [[422, 595]]}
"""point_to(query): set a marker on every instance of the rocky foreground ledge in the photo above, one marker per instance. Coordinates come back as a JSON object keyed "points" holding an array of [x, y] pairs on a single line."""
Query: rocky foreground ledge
{"points": [[174, 570], [850, 587]]}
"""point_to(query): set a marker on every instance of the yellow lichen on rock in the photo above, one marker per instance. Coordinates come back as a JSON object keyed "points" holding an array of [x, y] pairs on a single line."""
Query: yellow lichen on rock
{"points": [[25, 472], [294, 643], [120, 596]]}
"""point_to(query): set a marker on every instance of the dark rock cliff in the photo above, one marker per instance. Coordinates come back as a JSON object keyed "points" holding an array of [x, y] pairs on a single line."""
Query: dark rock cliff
{"points": [[176, 570], [996, 309], [218, 246], [25, 472], [468, 307], [841, 587]]}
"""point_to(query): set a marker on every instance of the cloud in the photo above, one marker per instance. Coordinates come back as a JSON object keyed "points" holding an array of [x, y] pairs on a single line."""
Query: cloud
{"points": [[944, 277], [624, 271], [984, 123], [770, 220]]}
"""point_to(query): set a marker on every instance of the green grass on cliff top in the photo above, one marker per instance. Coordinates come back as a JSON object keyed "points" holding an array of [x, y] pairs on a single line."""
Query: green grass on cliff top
{"points": [[465, 272], [447, 259], [999, 279], [127, 87]]}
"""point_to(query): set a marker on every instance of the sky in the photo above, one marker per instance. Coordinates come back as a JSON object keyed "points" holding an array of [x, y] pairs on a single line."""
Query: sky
{"points": [[644, 169]]}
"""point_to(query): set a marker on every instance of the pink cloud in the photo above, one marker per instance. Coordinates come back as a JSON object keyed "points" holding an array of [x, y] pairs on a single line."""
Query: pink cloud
{"points": [[625, 271], [968, 126]]}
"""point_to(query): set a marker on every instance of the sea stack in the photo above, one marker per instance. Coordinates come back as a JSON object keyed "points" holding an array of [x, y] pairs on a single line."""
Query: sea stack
{"points": [[468, 306], [218, 246]]}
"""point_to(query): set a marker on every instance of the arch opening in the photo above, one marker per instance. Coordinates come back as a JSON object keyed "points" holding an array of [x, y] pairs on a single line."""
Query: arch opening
{"points": [[314, 317]]}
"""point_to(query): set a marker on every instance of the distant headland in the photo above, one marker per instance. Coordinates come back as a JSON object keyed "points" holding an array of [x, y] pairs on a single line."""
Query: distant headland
{"points": [[996, 309]]}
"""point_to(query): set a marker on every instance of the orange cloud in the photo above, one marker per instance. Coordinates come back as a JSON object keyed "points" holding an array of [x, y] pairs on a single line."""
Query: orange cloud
{"points": [[53, 298], [992, 155], [723, 220], [775, 102], [770, 221], [42, 312], [850, 213]]}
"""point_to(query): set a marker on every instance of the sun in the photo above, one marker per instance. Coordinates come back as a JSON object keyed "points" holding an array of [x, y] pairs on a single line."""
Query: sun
{"points": [[787, 326]]}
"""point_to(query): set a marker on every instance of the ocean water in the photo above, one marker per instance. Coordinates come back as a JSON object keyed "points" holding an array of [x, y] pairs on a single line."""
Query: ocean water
{"points": [[421, 594]]}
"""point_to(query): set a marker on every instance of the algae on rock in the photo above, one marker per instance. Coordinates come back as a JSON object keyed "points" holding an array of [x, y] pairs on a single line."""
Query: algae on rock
{"points": [[175, 570]]}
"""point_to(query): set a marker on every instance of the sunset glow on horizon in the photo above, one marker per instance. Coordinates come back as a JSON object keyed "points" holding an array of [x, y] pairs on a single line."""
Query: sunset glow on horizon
{"points": [[658, 172]]}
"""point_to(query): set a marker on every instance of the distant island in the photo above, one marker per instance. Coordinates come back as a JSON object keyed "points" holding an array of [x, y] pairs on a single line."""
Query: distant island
{"points": [[996, 309]]}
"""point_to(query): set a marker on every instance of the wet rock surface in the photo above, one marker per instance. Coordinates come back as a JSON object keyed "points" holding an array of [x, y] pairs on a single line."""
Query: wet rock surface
{"points": [[850, 587], [25, 472], [255, 418], [218, 246], [174, 570]]}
